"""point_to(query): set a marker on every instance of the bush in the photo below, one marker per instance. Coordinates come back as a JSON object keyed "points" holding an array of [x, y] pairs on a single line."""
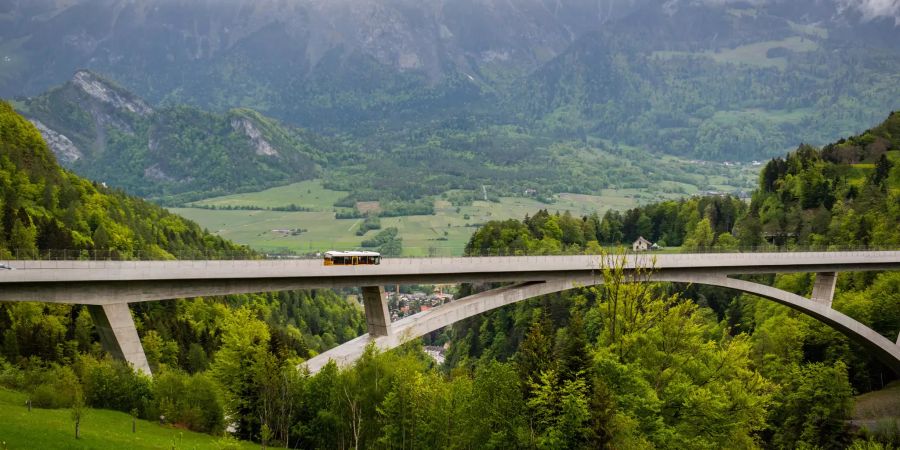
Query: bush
{"points": [[10, 375], [112, 384], [58, 391], [189, 400]]}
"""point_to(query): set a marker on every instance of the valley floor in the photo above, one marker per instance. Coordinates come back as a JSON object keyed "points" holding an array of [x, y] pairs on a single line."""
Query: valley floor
{"points": [[315, 228]]}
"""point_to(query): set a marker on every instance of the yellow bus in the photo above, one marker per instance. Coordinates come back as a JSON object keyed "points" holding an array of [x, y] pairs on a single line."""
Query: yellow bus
{"points": [[335, 258]]}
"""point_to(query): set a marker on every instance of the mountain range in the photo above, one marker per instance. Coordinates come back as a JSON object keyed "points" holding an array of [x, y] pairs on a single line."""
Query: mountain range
{"points": [[111, 135], [700, 79]]}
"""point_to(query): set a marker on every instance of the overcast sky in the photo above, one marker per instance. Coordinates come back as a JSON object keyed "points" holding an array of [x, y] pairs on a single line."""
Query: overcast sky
{"points": [[872, 9]]}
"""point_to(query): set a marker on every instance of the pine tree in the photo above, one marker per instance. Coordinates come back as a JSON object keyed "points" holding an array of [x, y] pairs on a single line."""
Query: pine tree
{"points": [[535, 353]]}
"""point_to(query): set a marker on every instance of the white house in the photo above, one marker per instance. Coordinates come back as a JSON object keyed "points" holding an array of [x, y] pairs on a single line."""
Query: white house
{"points": [[641, 245]]}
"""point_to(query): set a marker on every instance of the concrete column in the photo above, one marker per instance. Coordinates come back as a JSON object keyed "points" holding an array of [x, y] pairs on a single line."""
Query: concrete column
{"points": [[823, 288], [377, 317], [118, 334]]}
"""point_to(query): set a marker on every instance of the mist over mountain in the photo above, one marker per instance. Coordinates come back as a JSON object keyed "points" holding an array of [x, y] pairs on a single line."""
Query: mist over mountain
{"points": [[712, 79]]}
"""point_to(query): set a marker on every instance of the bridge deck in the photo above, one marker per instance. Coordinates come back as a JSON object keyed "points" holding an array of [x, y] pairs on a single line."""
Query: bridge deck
{"points": [[458, 269], [114, 283]]}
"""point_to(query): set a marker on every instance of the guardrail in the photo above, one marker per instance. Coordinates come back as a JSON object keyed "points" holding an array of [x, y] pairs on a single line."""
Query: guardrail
{"points": [[430, 252], [570, 261]]}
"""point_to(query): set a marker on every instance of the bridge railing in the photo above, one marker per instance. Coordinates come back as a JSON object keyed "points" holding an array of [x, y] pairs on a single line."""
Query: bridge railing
{"points": [[9, 256]]}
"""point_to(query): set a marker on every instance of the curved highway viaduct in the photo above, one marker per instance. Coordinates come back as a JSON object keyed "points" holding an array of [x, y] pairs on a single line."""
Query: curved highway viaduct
{"points": [[108, 286]]}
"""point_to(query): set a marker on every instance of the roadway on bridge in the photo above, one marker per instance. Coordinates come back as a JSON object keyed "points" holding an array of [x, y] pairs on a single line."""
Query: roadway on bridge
{"points": [[105, 282]]}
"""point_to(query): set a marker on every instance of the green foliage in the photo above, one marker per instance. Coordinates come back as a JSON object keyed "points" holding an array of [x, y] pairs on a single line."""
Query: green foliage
{"points": [[621, 365], [387, 242], [189, 400], [50, 212], [560, 409], [61, 390], [112, 384], [237, 368], [371, 223], [812, 408], [819, 198], [700, 238]]}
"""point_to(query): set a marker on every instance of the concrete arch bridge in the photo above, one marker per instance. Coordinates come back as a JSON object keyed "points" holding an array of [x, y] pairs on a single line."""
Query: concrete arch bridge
{"points": [[108, 286]]}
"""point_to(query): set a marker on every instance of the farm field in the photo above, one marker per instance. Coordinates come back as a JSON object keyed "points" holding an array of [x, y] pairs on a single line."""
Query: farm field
{"points": [[306, 194], [316, 229], [755, 54]]}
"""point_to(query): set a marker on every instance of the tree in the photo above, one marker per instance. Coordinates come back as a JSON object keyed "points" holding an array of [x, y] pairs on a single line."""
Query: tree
{"points": [[78, 409], [496, 417], [23, 238], [571, 230], [684, 388], [813, 407], [245, 341], [572, 352], [882, 170], [700, 238], [101, 238], [727, 242], [535, 352], [560, 409], [159, 351], [404, 409]]}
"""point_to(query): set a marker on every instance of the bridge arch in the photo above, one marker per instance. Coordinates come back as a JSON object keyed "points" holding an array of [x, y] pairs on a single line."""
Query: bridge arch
{"points": [[418, 325]]}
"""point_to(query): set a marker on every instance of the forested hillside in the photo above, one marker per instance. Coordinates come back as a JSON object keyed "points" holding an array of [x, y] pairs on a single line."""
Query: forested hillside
{"points": [[52, 351], [846, 194], [106, 133], [45, 208]]}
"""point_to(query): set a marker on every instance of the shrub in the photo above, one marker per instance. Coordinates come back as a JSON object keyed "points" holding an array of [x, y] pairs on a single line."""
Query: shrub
{"points": [[58, 391], [112, 384], [189, 400]]}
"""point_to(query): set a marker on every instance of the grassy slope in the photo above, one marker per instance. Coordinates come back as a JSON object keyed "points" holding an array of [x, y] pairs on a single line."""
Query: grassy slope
{"points": [[53, 428], [879, 404]]}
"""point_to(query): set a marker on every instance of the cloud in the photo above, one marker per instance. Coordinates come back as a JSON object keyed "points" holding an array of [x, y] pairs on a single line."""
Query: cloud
{"points": [[873, 9]]}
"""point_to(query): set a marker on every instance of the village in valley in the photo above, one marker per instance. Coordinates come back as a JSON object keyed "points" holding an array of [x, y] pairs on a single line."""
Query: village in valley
{"points": [[403, 304]]}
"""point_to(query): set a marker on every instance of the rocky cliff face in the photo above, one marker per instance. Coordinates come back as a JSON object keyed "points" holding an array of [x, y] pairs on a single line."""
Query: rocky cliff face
{"points": [[64, 149], [107, 94], [260, 144]]}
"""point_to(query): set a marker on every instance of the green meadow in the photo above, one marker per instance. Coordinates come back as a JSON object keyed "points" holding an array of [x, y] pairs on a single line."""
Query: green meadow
{"points": [[100, 429], [444, 233], [755, 54]]}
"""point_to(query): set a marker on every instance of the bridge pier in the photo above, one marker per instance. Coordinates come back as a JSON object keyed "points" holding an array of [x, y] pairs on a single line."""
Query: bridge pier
{"points": [[378, 320], [823, 288], [118, 334]]}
